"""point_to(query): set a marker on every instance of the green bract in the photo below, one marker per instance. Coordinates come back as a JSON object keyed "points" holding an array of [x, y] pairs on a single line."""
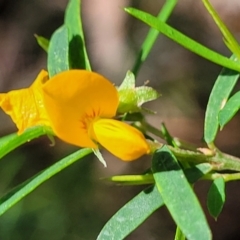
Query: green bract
{"points": [[131, 98]]}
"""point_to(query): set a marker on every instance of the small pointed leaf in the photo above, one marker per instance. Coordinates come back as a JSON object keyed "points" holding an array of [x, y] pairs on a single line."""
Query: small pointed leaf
{"points": [[218, 97], [230, 109], [216, 197]]}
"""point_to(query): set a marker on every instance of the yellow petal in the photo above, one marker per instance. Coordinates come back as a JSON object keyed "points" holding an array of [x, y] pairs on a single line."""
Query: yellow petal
{"points": [[25, 106], [73, 99], [119, 138]]}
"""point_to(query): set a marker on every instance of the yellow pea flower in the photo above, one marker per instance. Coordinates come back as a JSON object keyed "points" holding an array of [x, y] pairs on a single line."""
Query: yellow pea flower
{"points": [[119, 138], [79, 106], [25, 106], [73, 99]]}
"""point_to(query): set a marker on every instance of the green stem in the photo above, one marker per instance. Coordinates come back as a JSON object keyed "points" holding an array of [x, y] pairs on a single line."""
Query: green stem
{"points": [[149, 128], [153, 34], [226, 176], [220, 161]]}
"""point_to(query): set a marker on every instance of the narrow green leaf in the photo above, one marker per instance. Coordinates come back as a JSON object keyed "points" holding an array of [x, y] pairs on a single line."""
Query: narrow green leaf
{"points": [[42, 42], [183, 40], [229, 39], [167, 136], [132, 214], [152, 35], [78, 57], [218, 97], [12, 141], [58, 52], [216, 197], [19, 192], [178, 195], [230, 109]]}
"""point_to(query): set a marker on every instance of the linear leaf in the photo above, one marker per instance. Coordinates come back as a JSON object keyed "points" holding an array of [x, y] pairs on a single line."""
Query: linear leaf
{"points": [[152, 35], [218, 97], [230, 109], [229, 39], [19, 192], [78, 57], [216, 197], [132, 214], [183, 40], [58, 52], [178, 195], [12, 141]]}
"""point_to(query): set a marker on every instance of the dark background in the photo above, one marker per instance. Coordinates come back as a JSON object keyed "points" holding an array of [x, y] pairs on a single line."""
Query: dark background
{"points": [[75, 204]]}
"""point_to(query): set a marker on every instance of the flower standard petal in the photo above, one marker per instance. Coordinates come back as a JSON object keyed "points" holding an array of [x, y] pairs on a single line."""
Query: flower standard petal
{"points": [[119, 138], [25, 106], [73, 99]]}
